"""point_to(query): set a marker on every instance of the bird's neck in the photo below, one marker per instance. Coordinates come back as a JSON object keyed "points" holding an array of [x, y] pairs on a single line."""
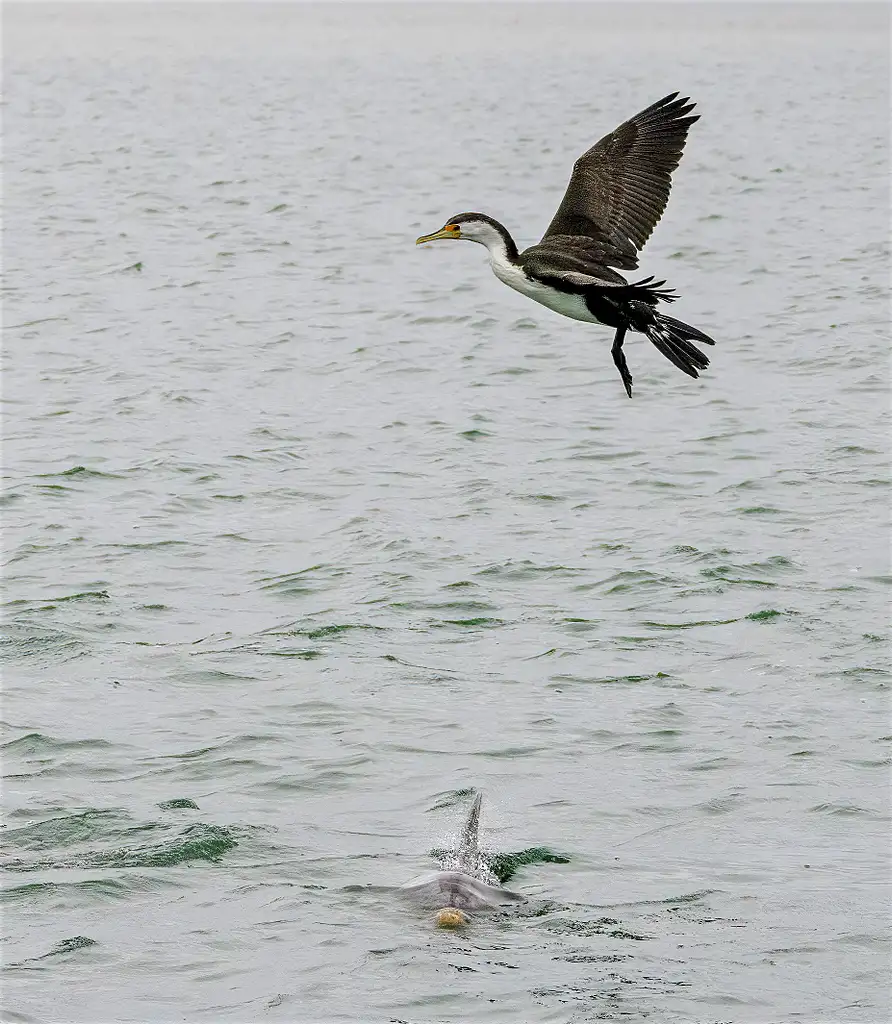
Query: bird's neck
{"points": [[500, 245]]}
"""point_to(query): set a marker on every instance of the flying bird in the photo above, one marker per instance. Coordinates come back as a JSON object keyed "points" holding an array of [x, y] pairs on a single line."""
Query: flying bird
{"points": [[617, 193]]}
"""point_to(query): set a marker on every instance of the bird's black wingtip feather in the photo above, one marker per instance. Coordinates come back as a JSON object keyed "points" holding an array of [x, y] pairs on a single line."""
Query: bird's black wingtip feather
{"points": [[670, 108], [674, 100]]}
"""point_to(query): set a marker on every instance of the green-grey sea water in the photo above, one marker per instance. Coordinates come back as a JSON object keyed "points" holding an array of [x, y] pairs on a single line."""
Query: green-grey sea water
{"points": [[309, 533]]}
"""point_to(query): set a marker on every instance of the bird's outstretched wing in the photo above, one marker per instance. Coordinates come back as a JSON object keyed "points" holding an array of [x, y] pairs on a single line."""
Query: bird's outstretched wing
{"points": [[620, 187]]}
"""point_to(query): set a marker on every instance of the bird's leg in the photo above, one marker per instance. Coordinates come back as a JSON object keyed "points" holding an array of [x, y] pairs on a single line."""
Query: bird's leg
{"points": [[619, 358]]}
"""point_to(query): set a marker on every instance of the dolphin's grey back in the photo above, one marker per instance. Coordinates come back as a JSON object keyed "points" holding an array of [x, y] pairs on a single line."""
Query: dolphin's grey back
{"points": [[469, 845], [456, 889]]}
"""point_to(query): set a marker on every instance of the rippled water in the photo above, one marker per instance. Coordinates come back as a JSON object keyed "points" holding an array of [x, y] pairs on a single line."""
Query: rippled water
{"points": [[309, 532]]}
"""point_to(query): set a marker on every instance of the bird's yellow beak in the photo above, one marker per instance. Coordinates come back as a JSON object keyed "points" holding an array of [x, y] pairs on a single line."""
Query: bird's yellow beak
{"points": [[451, 917], [449, 231]]}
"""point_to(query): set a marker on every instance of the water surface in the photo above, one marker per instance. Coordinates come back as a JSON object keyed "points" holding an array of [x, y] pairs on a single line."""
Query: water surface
{"points": [[308, 531]]}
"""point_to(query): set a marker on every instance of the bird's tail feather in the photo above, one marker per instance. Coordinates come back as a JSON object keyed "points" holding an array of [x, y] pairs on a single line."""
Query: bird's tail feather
{"points": [[673, 339], [685, 330], [649, 291]]}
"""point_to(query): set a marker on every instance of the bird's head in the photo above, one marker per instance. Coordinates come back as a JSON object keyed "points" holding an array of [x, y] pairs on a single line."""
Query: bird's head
{"points": [[475, 227]]}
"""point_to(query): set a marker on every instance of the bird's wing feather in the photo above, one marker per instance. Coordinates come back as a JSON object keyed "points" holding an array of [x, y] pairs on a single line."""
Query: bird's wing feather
{"points": [[619, 188], [571, 262]]}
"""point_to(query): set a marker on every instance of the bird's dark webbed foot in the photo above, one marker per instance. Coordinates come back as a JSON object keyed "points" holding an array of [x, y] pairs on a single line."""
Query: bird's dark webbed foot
{"points": [[619, 357]]}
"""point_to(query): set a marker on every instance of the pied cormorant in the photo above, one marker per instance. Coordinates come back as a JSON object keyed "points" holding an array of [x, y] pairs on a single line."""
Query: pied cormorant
{"points": [[617, 193]]}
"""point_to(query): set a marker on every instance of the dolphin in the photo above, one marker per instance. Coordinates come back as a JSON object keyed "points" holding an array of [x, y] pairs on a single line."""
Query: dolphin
{"points": [[465, 887]]}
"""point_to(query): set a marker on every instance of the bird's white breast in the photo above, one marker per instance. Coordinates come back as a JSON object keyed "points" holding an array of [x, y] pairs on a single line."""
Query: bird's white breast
{"points": [[564, 303]]}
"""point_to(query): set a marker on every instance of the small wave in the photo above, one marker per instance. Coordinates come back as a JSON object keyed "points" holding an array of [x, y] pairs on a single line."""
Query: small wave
{"points": [[82, 472], [93, 888], [765, 615], [689, 625], [505, 865], [21, 641], [35, 744], [527, 570], [608, 680], [105, 838], [846, 810]]}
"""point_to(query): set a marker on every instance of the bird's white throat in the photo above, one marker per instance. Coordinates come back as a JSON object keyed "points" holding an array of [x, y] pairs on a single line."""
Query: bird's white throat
{"points": [[512, 274]]}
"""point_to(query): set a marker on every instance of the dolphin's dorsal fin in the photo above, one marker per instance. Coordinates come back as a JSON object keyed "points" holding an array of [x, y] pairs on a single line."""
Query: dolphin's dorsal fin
{"points": [[468, 847]]}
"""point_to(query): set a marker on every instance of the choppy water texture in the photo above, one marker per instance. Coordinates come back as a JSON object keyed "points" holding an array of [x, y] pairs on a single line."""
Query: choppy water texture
{"points": [[308, 531]]}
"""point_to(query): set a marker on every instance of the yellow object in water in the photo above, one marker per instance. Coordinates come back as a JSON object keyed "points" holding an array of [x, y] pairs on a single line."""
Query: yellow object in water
{"points": [[450, 917]]}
